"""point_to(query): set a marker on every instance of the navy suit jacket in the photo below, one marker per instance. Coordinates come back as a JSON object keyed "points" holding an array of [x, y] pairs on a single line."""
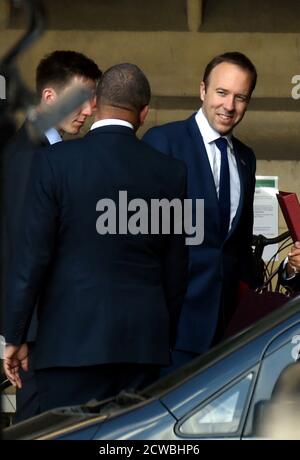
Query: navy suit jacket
{"points": [[16, 168], [215, 266], [101, 298]]}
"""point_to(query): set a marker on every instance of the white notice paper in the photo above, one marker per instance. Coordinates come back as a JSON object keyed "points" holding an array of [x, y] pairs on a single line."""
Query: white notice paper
{"points": [[266, 211]]}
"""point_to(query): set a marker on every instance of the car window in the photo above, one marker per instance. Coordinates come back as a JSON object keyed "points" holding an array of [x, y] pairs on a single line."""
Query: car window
{"points": [[222, 414]]}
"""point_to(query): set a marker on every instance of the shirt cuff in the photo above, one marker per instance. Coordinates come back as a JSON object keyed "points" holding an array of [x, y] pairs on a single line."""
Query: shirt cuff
{"points": [[285, 276]]}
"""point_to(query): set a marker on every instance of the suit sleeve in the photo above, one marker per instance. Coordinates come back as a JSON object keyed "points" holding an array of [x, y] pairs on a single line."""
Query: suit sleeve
{"points": [[176, 272], [176, 260], [35, 245], [157, 139]]}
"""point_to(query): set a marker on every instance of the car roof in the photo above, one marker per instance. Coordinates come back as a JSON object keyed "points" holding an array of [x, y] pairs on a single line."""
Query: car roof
{"points": [[265, 328]]}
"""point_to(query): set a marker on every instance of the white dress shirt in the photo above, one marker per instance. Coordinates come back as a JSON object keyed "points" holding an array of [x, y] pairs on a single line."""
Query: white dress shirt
{"points": [[53, 136], [209, 136], [110, 122]]}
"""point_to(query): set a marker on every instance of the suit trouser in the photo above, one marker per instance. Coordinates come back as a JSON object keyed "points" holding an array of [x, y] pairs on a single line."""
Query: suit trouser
{"points": [[68, 386], [27, 397], [179, 359]]}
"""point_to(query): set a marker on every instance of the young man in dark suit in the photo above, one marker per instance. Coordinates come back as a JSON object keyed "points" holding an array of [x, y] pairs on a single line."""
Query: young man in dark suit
{"points": [[55, 74], [221, 170], [108, 299]]}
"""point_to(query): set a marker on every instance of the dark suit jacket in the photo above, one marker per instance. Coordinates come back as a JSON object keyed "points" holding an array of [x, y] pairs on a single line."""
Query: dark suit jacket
{"points": [[102, 298], [215, 267], [16, 167]]}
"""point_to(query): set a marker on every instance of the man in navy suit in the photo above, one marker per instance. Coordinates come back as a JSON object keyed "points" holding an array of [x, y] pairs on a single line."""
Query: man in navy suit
{"points": [[55, 74], [108, 301], [225, 178]]}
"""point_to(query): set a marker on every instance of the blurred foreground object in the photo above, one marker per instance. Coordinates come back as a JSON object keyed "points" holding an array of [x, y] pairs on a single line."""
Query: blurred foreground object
{"points": [[19, 97], [282, 413]]}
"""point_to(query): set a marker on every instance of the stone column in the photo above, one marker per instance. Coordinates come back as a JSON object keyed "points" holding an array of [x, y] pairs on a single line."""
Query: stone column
{"points": [[194, 14], [4, 13]]}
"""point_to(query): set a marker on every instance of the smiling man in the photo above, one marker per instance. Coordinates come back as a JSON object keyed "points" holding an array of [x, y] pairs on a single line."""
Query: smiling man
{"points": [[221, 170]]}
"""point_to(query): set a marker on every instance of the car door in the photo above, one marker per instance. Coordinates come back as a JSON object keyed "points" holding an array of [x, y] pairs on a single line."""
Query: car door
{"points": [[280, 355]]}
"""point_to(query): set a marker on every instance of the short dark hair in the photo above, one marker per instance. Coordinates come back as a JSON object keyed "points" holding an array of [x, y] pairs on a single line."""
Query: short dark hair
{"points": [[124, 86], [232, 57], [59, 67]]}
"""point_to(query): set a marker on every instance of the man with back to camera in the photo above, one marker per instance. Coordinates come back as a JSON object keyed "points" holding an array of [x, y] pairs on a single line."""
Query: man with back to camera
{"points": [[109, 305], [221, 170], [55, 74]]}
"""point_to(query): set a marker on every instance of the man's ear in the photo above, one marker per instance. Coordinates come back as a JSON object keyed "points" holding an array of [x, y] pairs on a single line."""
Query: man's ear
{"points": [[202, 91], [143, 114], [49, 96]]}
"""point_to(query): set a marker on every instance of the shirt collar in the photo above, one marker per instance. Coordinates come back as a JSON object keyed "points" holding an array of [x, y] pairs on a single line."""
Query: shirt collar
{"points": [[208, 133], [53, 136], [111, 121]]}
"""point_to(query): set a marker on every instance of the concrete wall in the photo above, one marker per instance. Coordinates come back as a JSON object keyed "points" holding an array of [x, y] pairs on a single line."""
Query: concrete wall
{"points": [[174, 61]]}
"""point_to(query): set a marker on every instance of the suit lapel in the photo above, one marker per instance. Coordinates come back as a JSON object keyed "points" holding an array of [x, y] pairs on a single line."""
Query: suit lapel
{"points": [[242, 170], [200, 170]]}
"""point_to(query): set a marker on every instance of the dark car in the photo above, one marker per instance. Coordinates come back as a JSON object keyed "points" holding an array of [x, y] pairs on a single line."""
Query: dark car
{"points": [[233, 391]]}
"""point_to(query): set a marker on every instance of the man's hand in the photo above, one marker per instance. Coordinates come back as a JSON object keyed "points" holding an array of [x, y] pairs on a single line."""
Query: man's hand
{"points": [[293, 265], [15, 357]]}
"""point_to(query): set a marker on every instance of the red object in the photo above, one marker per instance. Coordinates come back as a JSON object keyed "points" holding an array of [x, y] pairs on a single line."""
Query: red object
{"points": [[290, 208], [243, 291], [254, 306]]}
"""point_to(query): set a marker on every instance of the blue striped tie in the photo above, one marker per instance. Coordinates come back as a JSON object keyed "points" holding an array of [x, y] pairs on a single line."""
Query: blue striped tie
{"points": [[224, 189]]}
